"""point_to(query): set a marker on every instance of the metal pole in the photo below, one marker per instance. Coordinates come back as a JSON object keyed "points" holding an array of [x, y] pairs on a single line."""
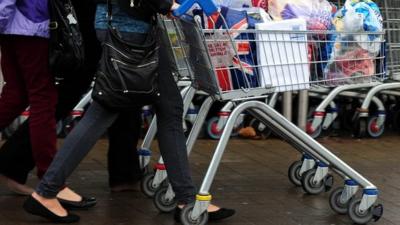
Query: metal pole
{"points": [[287, 105], [303, 109]]}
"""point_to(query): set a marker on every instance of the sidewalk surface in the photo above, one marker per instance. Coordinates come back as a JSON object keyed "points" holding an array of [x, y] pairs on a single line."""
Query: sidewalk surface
{"points": [[252, 179]]}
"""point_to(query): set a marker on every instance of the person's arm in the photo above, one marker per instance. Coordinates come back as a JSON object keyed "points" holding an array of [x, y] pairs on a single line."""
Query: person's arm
{"points": [[7, 11]]}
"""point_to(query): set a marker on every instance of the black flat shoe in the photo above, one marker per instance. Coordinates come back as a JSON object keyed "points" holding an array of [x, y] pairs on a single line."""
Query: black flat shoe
{"points": [[220, 214], [34, 207], [85, 203]]}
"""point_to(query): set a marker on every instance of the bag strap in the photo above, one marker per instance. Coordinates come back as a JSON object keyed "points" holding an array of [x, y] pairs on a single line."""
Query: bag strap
{"points": [[109, 12]]}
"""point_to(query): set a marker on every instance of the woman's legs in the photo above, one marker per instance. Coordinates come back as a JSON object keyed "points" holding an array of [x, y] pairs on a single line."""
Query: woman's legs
{"points": [[33, 57], [76, 146], [172, 141], [29, 83], [14, 97], [123, 161]]}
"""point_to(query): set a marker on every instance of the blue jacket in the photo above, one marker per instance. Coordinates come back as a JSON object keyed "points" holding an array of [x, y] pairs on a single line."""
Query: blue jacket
{"points": [[24, 17]]}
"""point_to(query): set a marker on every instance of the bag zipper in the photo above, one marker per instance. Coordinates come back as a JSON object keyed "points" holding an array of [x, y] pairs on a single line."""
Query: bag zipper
{"points": [[113, 61], [138, 66], [119, 51]]}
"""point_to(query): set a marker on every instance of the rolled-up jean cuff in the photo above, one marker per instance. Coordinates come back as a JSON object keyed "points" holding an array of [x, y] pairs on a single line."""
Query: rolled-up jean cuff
{"points": [[48, 190]]}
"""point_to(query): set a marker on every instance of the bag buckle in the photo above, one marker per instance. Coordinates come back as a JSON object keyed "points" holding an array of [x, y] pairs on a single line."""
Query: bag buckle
{"points": [[53, 25]]}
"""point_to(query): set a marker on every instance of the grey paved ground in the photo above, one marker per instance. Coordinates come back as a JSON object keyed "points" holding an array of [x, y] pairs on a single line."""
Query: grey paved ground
{"points": [[251, 179]]}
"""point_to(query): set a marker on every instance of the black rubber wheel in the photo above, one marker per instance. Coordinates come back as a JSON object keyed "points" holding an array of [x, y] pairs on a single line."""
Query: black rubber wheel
{"points": [[356, 216], [360, 128], [308, 186], [162, 204], [294, 173], [334, 202], [187, 220], [146, 185]]}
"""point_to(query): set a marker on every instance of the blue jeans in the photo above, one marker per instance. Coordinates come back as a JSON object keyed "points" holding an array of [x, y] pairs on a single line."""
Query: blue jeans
{"points": [[171, 139]]}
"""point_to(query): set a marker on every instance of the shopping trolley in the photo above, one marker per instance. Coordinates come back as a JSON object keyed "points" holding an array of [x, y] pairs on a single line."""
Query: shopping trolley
{"points": [[282, 65], [374, 125]]}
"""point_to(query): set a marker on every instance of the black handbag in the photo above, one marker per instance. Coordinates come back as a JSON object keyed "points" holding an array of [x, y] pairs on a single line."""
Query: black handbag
{"points": [[127, 74], [66, 50]]}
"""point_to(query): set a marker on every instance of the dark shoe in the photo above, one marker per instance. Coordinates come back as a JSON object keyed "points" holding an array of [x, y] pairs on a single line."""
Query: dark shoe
{"points": [[34, 207], [85, 203], [220, 214]]}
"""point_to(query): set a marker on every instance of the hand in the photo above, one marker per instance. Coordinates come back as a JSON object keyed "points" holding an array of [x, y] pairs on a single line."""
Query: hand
{"points": [[175, 6]]}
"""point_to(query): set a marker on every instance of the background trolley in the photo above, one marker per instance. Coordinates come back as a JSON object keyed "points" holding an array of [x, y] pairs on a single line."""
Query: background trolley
{"points": [[282, 65]]}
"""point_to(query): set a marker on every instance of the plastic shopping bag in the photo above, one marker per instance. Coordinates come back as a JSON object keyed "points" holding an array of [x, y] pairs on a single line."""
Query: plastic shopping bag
{"points": [[359, 16], [317, 13], [351, 54]]}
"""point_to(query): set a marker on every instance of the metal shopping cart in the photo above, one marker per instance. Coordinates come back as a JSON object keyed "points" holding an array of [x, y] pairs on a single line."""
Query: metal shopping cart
{"points": [[374, 125], [282, 64]]}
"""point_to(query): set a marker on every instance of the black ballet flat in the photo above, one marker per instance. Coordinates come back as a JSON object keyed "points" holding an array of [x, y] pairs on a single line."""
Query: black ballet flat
{"points": [[85, 203], [34, 207], [220, 214]]}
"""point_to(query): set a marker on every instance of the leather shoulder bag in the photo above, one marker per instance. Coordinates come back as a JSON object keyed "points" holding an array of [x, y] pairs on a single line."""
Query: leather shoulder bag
{"points": [[127, 74]]}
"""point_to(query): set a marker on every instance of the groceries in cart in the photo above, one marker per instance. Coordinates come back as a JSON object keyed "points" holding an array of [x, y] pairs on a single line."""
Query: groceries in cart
{"points": [[317, 13], [235, 64], [292, 42], [352, 50]]}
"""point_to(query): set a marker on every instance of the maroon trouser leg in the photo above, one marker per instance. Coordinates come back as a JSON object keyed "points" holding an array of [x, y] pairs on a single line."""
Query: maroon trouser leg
{"points": [[29, 83]]}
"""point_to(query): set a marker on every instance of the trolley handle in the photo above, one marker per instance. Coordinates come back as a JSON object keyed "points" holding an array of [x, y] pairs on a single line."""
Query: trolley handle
{"points": [[208, 7]]}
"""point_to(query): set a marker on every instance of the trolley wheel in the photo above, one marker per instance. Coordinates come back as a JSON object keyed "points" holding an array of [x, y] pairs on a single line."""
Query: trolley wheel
{"points": [[360, 128], [146, 185], [265, 132], [309, 186], [212, 130], [186, 216], [359, 217], [294, 173], [314, 133], [374, 130], [162, 204], [334, 201]]}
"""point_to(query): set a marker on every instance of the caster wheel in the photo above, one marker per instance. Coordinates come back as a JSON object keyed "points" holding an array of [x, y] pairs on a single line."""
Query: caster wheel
{"points": [[328, 182], [359, 217], [334, 202], [186, 216], [309, 186], [262, 130], [162, 203], [314, 133], [294, 173], [146, 185], [374, 130], [360, 128], [212, 129]]}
